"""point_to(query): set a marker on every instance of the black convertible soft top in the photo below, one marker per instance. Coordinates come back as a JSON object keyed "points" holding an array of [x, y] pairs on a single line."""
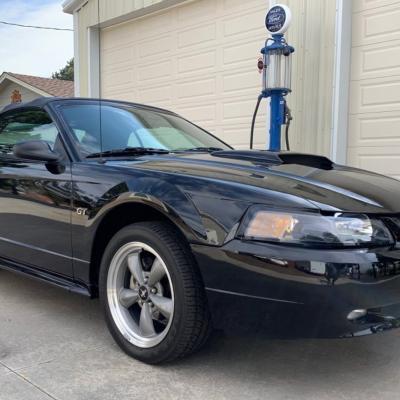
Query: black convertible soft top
{"points": [[42, 101], [39, 102]]}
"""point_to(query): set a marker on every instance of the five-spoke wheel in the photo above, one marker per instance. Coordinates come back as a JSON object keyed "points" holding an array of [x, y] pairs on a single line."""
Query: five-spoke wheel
{"points": [[140, 294]]}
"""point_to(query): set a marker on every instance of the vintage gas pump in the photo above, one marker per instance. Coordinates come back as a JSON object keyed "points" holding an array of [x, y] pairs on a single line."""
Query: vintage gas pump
{"points": [[276, 68]]}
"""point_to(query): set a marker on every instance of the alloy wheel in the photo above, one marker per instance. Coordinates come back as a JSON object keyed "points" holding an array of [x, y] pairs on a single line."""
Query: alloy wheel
{"points": [[140, 294]]}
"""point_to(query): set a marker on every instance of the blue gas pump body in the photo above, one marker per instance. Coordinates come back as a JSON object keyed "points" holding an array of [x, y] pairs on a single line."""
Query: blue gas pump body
{"points": [[277, 95]]}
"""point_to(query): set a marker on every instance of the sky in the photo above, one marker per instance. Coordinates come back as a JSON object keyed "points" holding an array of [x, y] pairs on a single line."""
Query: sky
{"points": [[34, 51]]}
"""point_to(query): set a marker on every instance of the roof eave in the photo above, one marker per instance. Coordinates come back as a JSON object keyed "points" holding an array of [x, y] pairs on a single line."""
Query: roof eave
{"points": [[70, 6], [28, 86]]}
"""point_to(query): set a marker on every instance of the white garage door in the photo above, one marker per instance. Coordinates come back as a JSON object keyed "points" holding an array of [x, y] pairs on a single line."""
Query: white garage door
{"points": [[198, 59], [374, 123]]}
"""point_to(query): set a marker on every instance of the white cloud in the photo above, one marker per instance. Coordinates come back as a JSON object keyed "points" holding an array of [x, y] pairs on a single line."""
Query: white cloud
{"points": [[34, 51]]}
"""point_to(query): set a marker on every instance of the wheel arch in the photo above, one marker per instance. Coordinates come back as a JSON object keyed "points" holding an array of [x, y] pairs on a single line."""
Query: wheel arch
{"points": [[123, 214]]}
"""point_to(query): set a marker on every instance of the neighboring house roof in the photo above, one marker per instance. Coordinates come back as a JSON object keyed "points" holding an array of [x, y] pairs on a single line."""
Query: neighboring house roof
{"points": [[42, 86]]}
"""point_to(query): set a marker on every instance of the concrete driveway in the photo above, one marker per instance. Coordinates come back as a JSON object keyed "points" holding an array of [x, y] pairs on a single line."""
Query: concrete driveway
{"points": [[54, 345]]}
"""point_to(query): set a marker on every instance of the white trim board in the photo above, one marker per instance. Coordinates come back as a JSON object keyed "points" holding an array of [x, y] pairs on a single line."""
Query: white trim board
{"points": [[94, 62], [71, 6], [76, 56], [341, 83]]}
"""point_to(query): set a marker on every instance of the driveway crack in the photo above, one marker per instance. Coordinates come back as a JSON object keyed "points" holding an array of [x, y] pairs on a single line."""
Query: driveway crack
{"points": [[28, 381]]}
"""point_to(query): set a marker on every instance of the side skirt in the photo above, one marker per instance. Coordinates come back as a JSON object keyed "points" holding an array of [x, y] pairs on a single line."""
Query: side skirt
{"points": [[45, 276]]}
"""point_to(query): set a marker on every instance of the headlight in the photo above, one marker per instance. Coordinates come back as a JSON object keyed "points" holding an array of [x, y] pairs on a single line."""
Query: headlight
{"points": [[339, 230]]}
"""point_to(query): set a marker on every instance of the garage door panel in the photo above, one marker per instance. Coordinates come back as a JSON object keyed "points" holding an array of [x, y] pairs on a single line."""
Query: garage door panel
{"points": [[362, 5], [374, 129], [383, 160], [115, 79], [375, 95], [376, 25], [154, 49], [198, 12], [197, 36], [230, 6], [155, 27], [240, 83], [234, 111], [200, 62], [241, 53], [128, 95], [376, 61], [154, 71], [151, 95], [198, 88], [123, 36], [122, 58], [202, 114], [239, 134], [243, 25]]}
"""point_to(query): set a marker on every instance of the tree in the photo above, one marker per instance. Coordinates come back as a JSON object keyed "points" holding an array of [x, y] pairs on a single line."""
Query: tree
{"points": [[66, 73]]}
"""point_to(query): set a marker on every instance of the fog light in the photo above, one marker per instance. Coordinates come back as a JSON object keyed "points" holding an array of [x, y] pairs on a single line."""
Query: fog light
{"points": [[356, 314], [317, 267]]}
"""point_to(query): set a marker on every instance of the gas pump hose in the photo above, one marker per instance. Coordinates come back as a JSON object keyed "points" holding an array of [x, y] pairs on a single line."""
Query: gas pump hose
{"points": [[253, 122], [288, 117]]}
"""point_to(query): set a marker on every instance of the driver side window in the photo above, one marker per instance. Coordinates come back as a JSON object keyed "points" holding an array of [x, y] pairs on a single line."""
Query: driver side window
{"points": [[21, 126]]}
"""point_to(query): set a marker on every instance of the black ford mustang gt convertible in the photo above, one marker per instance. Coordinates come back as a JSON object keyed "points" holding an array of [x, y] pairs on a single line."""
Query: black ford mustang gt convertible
{"points": [[173, 229]]}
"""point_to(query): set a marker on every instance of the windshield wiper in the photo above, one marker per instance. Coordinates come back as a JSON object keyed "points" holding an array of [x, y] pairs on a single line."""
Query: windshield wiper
{"points": [[204, 149], [128, 151]]}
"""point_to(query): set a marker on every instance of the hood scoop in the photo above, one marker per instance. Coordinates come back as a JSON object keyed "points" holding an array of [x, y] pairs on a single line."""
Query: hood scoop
{"points": [[276, 158]]}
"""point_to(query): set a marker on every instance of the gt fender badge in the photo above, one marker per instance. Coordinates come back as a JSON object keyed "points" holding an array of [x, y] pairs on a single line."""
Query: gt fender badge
{"points": [[81, 211]]}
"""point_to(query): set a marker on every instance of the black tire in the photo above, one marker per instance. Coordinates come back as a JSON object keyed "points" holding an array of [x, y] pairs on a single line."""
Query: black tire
{"points": [[190, 326]]}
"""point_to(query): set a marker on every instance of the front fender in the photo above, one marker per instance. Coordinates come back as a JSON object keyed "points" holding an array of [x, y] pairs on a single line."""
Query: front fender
{"points": [[166, 199]]}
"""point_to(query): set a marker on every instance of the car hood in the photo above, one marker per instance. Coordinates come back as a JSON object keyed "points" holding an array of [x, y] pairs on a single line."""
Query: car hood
{"points": [[327, 186]]}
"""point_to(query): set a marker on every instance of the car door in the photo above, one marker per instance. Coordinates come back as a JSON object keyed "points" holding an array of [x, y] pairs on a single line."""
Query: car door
{"points": [[35, 197]]}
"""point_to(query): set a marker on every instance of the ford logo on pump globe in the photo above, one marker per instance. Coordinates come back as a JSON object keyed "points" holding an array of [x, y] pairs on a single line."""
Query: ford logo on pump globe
{"points": [[278, 19]]}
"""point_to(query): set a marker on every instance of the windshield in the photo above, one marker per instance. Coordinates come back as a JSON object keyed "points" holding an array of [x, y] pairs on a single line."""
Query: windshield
{"points": [[120, 127]]}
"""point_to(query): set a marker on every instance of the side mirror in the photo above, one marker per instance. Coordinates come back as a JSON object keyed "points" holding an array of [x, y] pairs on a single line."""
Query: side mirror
{"points": [[37, 150]]}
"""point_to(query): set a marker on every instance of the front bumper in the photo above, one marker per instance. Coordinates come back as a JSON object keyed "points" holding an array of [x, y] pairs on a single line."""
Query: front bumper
{"points": [[317, 291]]}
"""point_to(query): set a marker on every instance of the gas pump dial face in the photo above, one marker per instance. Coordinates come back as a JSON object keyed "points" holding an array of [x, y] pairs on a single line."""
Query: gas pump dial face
{"points": [[278, 19]]}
